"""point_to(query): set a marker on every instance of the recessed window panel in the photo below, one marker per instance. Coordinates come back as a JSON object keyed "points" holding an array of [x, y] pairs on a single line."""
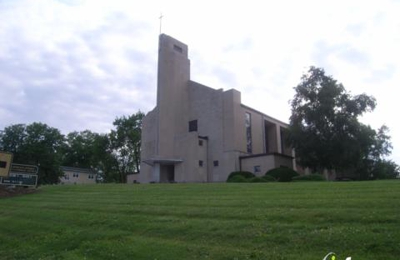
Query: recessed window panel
{"points": [[248, 132], [193, 126], [3, 164]]}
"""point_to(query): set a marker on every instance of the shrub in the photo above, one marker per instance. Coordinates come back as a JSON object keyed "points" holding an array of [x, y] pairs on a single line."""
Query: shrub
{"points": [[268, 178], [238, 178], [263, 179], [282, 174], [311, 177], [256, 179], [246, 175]]}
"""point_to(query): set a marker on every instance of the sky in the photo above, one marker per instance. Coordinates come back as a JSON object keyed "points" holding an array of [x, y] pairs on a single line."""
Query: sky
{"points": [[77, 65]]}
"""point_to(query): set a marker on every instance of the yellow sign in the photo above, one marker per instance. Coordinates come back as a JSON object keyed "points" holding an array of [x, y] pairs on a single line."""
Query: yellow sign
{"points": [[24, 168], [5, 163]]}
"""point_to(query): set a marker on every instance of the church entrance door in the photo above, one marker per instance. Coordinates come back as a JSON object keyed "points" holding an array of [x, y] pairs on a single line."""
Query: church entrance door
{"points": [[167, 173]]}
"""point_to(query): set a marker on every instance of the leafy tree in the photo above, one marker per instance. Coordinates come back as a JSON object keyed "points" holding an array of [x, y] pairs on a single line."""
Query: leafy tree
{"points": [[79, 149], [111, 155], [91, 150], [381, 146], [125, 142], [385, 169], [12, 138], [43, 145], [36, 144], [106, 164], [324, 127]]}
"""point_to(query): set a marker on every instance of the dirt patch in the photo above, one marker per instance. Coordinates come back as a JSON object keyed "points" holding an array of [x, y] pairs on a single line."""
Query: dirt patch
{"points": [[10, 191]]}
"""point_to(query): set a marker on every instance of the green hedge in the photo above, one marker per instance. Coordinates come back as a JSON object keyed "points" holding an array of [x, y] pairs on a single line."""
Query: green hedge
{"points": [[256, 179], [268, 178], [244, 174], [311, 177], [238, 178], [282, 174], [263, 179]]}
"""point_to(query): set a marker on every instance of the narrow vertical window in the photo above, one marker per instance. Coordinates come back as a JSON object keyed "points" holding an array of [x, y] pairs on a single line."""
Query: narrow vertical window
{"points": [[283, 139], [248, 132], [266, 136], [201, 163]]}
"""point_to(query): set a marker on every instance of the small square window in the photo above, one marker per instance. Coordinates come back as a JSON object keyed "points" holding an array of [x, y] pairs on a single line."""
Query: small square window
{"points": [[178, 48], [200, 142], [3, 164], [257, 168], [216, 163], [193, 126], [201, 163]]}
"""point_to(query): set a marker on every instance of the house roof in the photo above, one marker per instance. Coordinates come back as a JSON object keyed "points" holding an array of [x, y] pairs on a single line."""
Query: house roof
{"points": [[76, 169]]}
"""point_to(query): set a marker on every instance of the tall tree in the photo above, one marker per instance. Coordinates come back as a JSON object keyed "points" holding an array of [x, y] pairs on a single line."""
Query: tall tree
{"points": [[91, 150], [80, 149], [12, 138], [106, 162], [125, 142], [384, 169], [36, 144], [324, 126]]}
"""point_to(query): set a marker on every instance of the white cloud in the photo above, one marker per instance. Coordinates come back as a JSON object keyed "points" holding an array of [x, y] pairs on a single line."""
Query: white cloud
{"points": [[79, 64]]}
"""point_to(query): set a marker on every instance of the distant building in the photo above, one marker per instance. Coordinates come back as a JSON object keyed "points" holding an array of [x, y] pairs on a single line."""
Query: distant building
{"points": [[200, 134], [73, 175]]}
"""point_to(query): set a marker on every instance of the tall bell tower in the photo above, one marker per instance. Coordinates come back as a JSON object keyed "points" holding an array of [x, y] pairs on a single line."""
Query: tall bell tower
{"points": [[172, 94]]}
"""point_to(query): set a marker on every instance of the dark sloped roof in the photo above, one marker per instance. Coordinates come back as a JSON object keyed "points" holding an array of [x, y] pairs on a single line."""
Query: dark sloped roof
{"points": [[76, 169]]}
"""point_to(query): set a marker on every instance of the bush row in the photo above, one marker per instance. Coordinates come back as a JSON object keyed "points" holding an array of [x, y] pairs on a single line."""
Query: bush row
{"points": [[311, 177], [241, 178], [282, 174]]}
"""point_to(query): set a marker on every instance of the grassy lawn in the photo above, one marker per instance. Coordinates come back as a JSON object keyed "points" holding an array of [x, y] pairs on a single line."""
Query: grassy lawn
{"points": [[204, 221]]}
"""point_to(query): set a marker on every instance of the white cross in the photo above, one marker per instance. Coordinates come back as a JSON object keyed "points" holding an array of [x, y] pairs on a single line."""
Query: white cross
{"points": [[161, 16]]}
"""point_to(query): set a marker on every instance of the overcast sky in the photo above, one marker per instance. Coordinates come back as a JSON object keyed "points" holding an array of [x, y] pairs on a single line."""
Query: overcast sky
{"points": [[78, 65]]}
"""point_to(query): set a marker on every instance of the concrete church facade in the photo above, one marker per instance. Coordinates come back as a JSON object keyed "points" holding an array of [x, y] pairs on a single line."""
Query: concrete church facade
{"points": [[200, 134]]}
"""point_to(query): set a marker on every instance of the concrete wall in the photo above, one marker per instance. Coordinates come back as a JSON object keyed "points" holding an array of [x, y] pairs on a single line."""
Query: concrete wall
{"points": [[148, 145], [191, 153], [172, 94], [283, 161], [206, 107], [221, 120], [265, 162], [234, 132]]}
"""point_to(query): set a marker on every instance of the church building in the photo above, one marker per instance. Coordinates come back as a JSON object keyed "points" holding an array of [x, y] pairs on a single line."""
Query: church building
{"points": [[200, 134]]}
